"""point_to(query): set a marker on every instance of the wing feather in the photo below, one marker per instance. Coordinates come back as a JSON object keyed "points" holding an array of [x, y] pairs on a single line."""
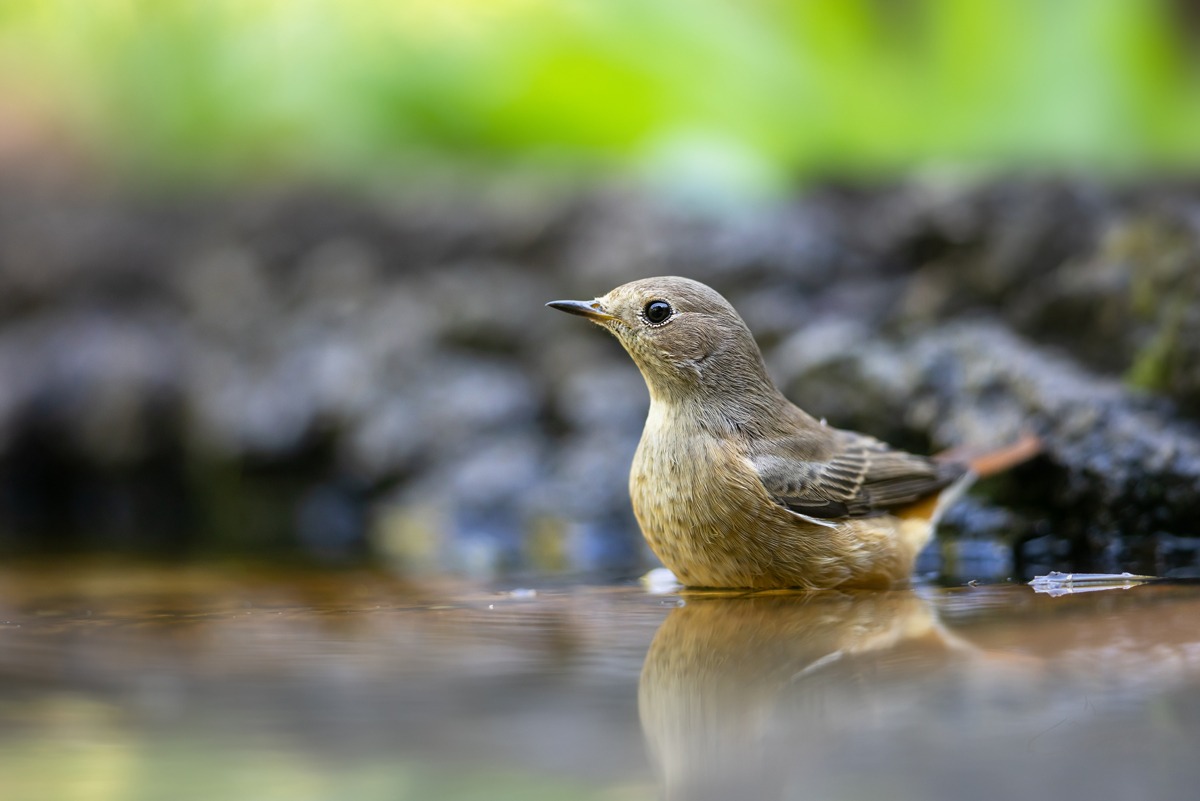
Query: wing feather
{"points": [[858, 476]]}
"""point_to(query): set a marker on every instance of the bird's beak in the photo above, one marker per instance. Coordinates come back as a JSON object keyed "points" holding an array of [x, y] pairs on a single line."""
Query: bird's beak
{"points": [[590, 309]]}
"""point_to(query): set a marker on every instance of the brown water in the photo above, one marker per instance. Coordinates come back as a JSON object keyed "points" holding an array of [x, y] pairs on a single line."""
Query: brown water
{"points": [[132, 683]]}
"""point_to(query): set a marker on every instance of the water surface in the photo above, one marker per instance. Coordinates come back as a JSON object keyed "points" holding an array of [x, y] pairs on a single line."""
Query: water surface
{"points": [[121, 682]]}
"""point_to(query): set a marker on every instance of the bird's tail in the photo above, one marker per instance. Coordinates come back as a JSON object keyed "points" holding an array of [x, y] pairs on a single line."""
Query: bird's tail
{"points": [[979, 465], [990, 463]]}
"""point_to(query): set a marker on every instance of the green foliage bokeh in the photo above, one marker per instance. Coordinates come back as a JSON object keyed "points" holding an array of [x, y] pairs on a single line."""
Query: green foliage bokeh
{"points": [[761, 91]]}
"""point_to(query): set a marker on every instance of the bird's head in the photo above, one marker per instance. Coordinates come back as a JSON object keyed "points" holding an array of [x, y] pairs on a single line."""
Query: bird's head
{"points": [[683, 335]]}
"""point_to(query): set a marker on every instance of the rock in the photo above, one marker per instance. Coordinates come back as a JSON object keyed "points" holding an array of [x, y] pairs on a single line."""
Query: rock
{"points": [[337, 374]]}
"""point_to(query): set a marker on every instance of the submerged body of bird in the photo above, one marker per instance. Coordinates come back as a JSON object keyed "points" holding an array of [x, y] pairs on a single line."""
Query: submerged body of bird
{"points": [[707, 514]]}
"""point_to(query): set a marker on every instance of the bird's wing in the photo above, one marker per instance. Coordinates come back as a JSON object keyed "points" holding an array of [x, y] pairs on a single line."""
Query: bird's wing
{"points": [[855, 476]]}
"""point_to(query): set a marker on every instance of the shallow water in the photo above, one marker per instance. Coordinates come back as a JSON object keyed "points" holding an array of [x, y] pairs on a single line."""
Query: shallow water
{"points": [[122, 682]]}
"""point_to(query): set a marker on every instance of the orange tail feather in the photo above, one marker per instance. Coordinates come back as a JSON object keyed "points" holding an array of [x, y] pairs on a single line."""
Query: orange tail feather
{"points": [[1001, 459], [981, 466]]}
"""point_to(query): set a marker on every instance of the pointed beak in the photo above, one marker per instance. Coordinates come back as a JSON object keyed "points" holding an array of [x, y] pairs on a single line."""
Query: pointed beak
{"points": [[590, 309]]}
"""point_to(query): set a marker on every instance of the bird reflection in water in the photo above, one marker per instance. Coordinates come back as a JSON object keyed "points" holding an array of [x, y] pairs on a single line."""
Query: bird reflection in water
{"points": [[731, 683]]}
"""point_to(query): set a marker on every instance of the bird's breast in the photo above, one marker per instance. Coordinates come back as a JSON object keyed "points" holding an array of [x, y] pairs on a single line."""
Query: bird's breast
{"points": [[695, 500], [672, 466]]}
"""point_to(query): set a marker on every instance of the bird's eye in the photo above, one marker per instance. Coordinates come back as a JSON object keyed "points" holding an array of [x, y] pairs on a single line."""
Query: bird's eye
{"points": [[657, 311]]}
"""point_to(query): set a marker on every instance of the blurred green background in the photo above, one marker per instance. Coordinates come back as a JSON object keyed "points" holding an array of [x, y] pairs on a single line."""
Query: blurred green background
{"points": [[748, 96]]}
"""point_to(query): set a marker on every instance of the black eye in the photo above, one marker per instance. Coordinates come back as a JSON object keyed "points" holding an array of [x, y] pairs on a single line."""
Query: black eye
{"points": [[657, 311]]}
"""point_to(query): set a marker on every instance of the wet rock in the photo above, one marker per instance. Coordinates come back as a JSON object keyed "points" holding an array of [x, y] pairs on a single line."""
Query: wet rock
{"points": [[254, 357], [1040, 555], [107, 382], [329, 522]]}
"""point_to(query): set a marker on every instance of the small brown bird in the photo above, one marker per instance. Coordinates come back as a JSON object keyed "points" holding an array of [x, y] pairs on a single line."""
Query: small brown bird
{"points": [[735, 486]]}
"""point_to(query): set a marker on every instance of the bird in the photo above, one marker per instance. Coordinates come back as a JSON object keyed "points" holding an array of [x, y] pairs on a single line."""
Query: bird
{"points": [[734, 486]]}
